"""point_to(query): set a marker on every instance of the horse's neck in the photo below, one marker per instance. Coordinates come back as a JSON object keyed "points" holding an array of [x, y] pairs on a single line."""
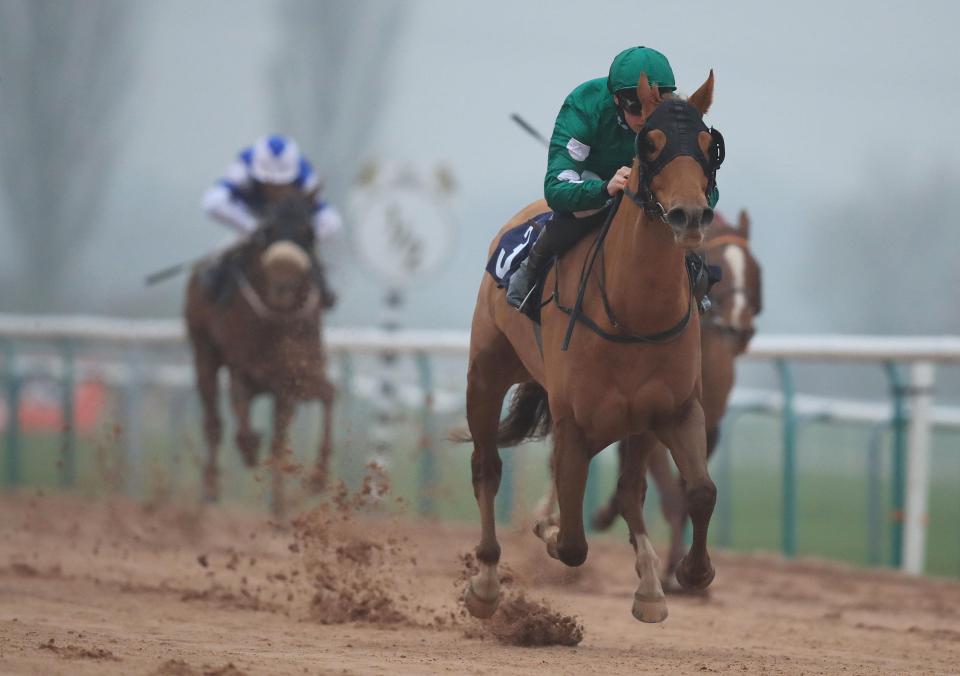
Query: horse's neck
{"points": [[646, 277]]}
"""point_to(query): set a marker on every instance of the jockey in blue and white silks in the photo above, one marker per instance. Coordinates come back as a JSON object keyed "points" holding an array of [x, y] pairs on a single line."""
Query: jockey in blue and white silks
{"points": [[260, 175], [238, 198]]}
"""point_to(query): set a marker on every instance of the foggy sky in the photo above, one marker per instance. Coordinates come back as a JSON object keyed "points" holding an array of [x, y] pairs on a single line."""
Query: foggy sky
{"points": [[836, 115]]}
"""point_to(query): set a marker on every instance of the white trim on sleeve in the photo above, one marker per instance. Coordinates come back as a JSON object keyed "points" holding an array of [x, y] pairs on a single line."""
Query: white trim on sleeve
{"points": [[578, 151]]}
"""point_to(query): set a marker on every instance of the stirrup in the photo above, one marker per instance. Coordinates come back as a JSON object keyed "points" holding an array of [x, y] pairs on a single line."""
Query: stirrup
{"points": [[523, 303]]}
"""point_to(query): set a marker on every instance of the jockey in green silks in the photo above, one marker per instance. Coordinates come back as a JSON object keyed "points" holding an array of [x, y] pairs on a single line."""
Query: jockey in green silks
{"points": [[590, 156]]}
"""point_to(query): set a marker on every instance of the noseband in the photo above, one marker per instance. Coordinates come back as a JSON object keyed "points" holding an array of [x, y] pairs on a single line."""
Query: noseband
{"points": [[681, 123]]}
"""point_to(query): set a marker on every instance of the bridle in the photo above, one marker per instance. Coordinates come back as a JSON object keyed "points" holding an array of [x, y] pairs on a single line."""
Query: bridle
{"points": [[265, 312], [272, 231], [681, 124]]}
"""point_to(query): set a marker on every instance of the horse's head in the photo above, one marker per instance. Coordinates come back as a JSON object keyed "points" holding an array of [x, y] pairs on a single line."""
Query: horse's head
{"points": [[284, 239], [738, 296], [287, 270], [290, 219], [677, 159]]}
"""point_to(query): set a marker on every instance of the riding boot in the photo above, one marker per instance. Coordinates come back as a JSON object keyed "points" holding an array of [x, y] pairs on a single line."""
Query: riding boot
{"points": [[525, 278], [702, 279], [558, 236], [219, 279]]}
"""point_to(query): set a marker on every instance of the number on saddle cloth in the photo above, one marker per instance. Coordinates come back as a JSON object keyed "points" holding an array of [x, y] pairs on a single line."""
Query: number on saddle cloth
{"points": [[514, 247]]}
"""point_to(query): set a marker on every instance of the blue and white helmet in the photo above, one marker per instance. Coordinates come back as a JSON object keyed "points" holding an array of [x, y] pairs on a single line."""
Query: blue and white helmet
{"points": [[275, 160]]}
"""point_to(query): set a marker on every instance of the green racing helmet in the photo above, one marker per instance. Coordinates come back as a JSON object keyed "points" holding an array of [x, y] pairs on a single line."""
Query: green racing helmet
{"points": [[630, 63]]}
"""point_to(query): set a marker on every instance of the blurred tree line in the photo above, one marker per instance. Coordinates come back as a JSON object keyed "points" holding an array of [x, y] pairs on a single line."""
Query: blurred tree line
{"points": [[65, 73], [65, 68]]}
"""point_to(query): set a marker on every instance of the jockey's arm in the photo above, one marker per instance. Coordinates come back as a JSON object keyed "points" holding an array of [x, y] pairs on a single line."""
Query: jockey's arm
{"points": [[326, 221], [565, 186], [221, 204]]}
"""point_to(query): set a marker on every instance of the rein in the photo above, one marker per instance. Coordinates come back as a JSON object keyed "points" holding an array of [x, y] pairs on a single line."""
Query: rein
{"points": [[681, 125], [264, 312], [576, 312]]}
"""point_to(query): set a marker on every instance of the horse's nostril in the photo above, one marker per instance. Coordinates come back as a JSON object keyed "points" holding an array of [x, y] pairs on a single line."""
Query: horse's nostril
{"points": [[677, 217], [706, 217]]}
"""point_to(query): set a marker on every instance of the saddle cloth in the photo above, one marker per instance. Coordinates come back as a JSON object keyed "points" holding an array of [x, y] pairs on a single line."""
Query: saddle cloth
{"points": [[514, 247]]}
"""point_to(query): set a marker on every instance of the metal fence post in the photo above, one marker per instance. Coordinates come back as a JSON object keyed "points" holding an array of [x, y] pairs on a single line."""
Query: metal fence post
{"points": [[12, 391], [874, 506], [345, 404], [132, 427], [918, 468], [724, 474], [428, 459], [898, 450], [503, 504], [592, 494], [68, 443], [789, 496]]}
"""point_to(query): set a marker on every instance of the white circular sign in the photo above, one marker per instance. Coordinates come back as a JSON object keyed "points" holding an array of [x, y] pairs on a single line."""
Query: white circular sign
{"points": [[402, 231]]}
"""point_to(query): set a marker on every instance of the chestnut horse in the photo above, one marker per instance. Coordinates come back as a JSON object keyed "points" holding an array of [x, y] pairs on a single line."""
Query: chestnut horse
{"points": [[635, 376], [268, 336], [726, 331]]}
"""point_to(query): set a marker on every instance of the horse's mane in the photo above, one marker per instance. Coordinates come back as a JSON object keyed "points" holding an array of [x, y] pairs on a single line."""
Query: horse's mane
{"points": [[292, 209]]}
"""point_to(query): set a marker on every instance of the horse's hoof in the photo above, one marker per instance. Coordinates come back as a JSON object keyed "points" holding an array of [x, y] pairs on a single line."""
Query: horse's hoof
{"points": [[477, 606], [649, 610], [249, 447], [694, 582], [603, 518]]}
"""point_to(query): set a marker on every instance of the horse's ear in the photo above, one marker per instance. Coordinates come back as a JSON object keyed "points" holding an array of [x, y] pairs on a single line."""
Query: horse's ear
{"points": [[743, 223], [648, 96], [703, 97]]}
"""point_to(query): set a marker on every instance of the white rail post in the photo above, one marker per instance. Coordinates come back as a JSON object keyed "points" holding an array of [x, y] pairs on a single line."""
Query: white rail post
{"points": [[918, 468]]}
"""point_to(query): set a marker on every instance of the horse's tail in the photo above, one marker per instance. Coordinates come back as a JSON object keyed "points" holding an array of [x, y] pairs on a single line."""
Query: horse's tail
{"points": [[528, 417]]}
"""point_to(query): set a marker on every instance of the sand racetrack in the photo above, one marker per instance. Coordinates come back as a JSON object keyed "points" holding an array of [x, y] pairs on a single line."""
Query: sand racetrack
{"points": [[112, 587]]}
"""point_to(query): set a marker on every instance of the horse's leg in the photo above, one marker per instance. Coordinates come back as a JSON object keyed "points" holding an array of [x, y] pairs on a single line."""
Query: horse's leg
{"points": [[487, 382], [566, 540], [604, 517], [283, 410], [687, 441], [672, 506], [713, 436], [247, 439], [547, 506], [649, 603], [207, 362], [321, 471]]}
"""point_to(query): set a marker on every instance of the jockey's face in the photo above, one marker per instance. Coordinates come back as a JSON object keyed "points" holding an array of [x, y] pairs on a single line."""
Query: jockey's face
{"points": [[634, 120], [273, 193]]}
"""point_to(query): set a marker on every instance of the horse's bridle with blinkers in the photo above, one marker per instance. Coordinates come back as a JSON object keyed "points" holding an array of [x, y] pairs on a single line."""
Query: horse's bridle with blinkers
{"points": [[681, 123]]}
